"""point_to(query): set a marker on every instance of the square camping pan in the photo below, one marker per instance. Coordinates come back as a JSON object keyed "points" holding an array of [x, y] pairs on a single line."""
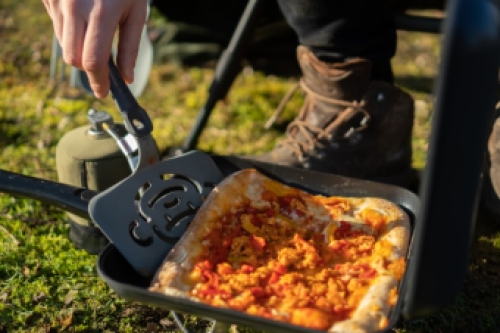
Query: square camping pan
{"points": [[126, 282], [122, 273]]}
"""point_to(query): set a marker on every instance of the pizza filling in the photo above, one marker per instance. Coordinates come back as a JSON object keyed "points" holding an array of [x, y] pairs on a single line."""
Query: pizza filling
{"points": [[274, 258]]}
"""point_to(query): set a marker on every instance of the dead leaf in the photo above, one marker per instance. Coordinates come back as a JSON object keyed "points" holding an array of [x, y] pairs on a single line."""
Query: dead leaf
{"points": [[166, 323], [3, 297], [39, 297], [70, 296], [151, 327], [67, 320], [128, 312], [35, 269], [26, 271], [14, 240]]}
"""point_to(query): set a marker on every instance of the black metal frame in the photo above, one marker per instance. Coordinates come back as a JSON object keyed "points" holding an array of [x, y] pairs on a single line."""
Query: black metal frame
{"points": [[229, 64], [466, 93]]}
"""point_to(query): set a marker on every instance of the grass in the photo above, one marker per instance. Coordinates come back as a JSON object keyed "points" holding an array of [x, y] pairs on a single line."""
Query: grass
{"points": [[46, 285]]}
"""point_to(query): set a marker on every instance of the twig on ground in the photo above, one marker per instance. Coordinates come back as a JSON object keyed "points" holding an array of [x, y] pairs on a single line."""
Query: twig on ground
{"points": [[16, 242]]}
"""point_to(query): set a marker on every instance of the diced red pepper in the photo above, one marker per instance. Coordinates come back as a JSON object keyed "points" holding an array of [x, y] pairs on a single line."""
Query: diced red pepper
{"points": [[246, 268], [257, 221], [224, 268], [205, 265], [207, 293], [268, 196], [345, 231], [258, 292], [369, 274], [367, 271], [224, 295], [280, 269], [211, 279], [275, 277], [250, 210], [270, 212], [219, 255], [258, 243], [226, 242], [285, 200], [228, 239]]}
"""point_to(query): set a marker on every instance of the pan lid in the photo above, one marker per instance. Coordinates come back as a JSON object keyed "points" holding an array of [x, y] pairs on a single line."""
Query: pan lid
{"points": [[460, 126]]}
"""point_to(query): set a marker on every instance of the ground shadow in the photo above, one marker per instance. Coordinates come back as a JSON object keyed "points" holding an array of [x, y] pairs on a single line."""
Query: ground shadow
{"points": [[421, 84], [476, 307], [9, 131]]}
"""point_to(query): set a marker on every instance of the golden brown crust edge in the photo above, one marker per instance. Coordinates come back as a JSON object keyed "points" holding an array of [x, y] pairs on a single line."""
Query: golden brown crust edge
{"points": [[398, 230], [374, 309], [372, 312]]}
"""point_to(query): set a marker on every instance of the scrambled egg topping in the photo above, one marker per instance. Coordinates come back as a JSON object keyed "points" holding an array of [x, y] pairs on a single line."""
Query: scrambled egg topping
{"points": [[277, 261]]}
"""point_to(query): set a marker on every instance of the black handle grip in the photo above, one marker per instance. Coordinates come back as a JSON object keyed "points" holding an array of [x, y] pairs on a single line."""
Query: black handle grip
{"points": [[69, 198], [135, 117]]}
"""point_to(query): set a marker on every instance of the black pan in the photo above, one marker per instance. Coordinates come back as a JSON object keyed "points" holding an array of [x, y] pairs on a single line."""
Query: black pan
{"points": [[122, 278], [118, 273]]}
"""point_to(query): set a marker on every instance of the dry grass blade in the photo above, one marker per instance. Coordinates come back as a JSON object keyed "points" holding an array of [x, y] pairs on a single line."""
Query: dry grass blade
{"points": [[11, 236]]}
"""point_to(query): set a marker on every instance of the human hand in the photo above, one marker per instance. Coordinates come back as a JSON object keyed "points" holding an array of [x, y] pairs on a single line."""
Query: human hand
{"points": [[85, 30]]}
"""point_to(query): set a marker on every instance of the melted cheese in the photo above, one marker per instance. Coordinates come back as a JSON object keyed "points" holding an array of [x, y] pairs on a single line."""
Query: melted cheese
{"points": [[311, 266]]}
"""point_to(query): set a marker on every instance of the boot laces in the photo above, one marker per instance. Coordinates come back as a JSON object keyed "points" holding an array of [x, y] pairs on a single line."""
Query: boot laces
{"points": [[314, 134]]}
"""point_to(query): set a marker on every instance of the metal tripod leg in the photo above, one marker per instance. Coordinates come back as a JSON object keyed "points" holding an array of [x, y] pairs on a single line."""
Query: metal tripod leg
{"points": [[228, 67]]}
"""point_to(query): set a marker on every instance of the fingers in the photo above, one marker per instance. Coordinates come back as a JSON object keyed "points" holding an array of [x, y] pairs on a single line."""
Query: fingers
{"points": [[85, 30], [97, 49], [56, 16], [129, 39], [73, 33]]}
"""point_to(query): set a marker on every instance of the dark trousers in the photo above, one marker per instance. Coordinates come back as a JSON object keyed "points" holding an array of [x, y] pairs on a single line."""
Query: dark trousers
{"points": [[338, 29]]}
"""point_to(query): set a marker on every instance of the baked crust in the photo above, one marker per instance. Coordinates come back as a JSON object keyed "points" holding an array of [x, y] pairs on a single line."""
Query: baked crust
{"points": [[246, 187]]}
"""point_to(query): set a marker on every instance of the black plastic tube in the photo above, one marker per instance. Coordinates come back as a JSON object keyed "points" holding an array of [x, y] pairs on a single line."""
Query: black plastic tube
{"points": [[465, 101], [66, 197]]}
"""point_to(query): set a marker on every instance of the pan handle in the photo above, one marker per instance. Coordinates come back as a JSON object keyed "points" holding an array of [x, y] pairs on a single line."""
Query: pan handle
{"points": [[71, 199]]}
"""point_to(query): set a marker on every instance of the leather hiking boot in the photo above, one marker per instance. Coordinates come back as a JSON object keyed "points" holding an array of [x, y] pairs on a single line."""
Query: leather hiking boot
{"points": [[348, 125]]}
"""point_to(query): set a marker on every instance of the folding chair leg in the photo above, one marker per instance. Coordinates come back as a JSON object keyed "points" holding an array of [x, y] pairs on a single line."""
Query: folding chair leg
{"points": [[54, 57], [228, 67]]}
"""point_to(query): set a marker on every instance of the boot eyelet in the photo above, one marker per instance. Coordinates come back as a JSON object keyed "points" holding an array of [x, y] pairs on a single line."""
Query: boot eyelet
{"points": [[355, 138], [350, 132], [334, 145]]}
